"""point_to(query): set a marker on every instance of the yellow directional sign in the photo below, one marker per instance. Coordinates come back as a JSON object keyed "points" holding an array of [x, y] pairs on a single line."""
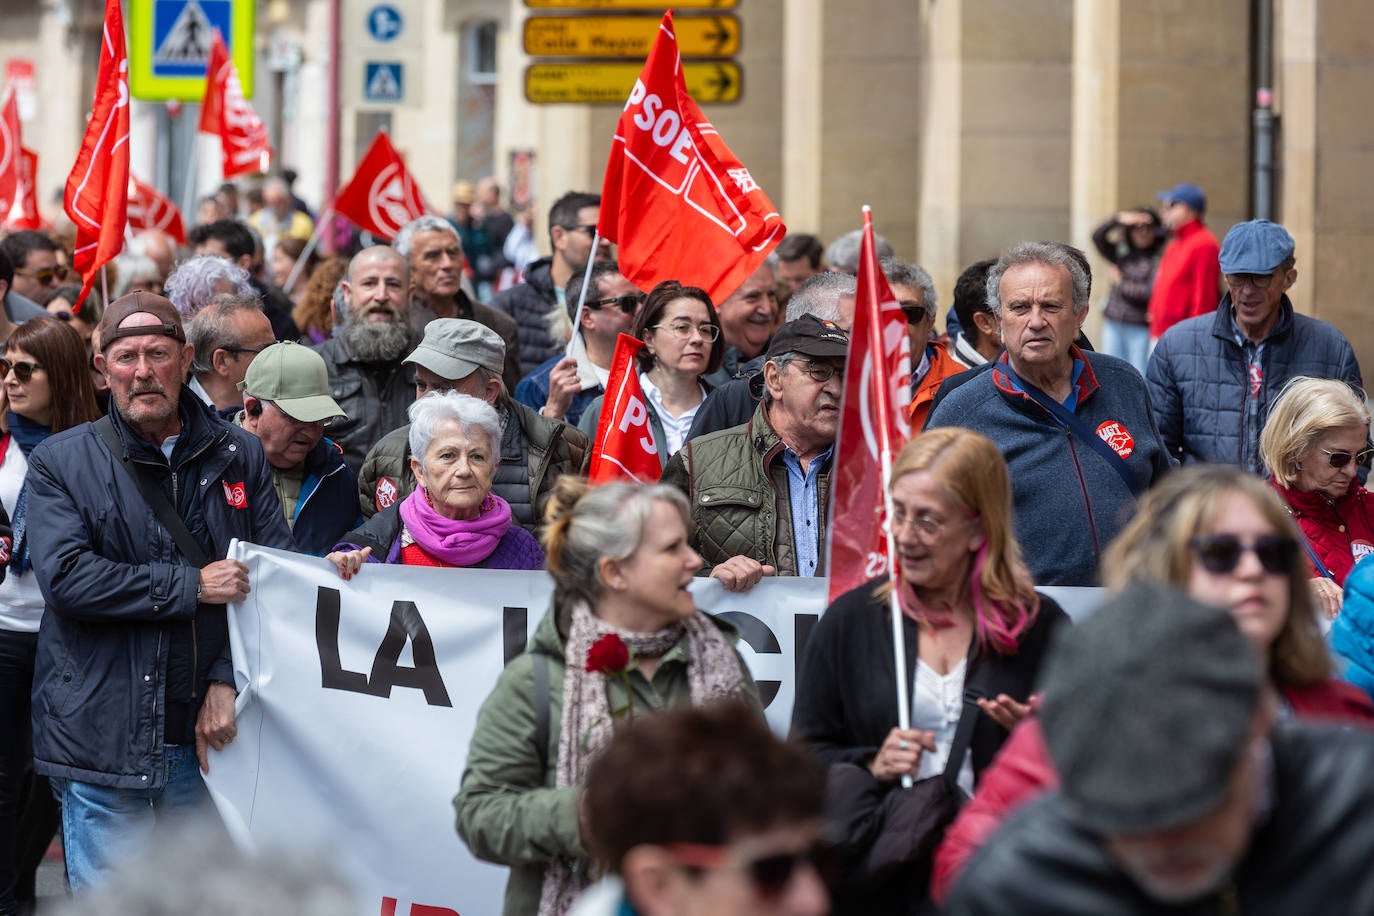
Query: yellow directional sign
{"points": [[610, 83], [657, 6], [628, 36]]}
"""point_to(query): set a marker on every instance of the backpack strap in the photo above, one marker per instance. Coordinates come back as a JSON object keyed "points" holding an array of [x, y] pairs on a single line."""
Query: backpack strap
{"points": [[539, 663]]}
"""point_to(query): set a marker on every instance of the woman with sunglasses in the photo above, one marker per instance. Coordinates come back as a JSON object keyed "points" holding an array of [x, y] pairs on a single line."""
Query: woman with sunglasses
{"points": [[47, 389], [622, 639], [705, 810], [1313, 443], [682, 345], [1221, 535], [972, 621]]}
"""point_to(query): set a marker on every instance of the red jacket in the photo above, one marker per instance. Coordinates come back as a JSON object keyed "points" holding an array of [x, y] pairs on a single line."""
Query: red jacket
{"points": [[1342, 533], [1022, 771], [1187, 282]]}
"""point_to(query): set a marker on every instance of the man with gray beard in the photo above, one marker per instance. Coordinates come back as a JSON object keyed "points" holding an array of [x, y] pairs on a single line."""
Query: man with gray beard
{"points": [[371, 336]]}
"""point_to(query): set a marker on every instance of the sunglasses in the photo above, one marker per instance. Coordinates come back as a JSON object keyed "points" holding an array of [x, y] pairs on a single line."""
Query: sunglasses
{"points": [[45, 276], [770, 874], [1220, 554], [22, 371], [1341, 459], [628, 304]]}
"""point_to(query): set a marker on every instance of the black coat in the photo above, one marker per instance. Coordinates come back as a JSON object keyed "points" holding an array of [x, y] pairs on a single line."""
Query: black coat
{"points": [[846, 692], [1311, 854]]}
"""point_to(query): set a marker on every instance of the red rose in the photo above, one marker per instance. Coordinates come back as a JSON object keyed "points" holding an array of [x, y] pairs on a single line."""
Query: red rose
{"points": [[608, 655]]}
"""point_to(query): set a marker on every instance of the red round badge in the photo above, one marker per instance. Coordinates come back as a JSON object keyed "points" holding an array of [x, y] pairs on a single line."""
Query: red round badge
{"points": [[1118, 437]]}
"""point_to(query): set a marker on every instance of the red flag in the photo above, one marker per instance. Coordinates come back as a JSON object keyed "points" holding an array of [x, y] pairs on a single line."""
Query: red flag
{"points": [[10, 143], [242, 135], [149, 208], [675, 199], [97, 188], [24, 214], [624, 448], [382, 196], [873, 426]]}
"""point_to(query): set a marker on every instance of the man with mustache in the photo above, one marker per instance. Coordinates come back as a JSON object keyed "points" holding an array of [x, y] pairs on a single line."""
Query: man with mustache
{"points": [[759, 491], [285, 404], [367, 377], [1075, 427], [133, 681]]}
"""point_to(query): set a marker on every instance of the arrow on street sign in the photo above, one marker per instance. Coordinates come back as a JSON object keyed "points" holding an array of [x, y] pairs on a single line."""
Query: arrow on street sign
{"points": [[628, 36], [609, 83]]}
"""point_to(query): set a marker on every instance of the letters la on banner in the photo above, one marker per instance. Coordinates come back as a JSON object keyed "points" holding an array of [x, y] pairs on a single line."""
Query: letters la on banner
{"points": [[357, 701]]}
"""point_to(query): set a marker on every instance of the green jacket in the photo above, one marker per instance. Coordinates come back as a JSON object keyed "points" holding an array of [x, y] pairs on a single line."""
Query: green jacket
{"points": [[508, 811], [548, 449], [737, 486]]}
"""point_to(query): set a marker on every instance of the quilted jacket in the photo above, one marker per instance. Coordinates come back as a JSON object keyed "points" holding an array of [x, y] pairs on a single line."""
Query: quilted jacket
{"points": [[736, 483], [1198, 378], [530, 304]]}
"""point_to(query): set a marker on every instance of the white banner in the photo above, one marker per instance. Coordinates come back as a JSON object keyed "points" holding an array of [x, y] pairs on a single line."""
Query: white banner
{"points": [[357, 700]]}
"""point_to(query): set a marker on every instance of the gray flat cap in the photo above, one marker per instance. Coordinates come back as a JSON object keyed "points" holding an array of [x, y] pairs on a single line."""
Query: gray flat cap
{"points": [[454, 348]]}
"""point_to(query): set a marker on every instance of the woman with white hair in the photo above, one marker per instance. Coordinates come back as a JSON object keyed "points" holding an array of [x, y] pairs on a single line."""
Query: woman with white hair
{"points": [[1313, 443], [622, 639], [452, 519]]}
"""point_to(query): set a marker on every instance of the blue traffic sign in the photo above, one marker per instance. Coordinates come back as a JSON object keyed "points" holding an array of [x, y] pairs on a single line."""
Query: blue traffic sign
{"points": [[182, 32], [384, 81], [384, 22]]}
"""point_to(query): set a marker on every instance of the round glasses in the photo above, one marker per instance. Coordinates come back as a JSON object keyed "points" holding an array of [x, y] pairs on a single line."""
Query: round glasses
{"points": [[683, 330]]}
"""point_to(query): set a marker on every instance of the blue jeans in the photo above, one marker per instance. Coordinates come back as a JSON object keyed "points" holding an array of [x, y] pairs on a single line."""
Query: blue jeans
{"points": [[1130, 342], [103, 827]]}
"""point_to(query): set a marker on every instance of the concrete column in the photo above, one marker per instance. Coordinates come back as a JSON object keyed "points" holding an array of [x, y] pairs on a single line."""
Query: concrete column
{"points": [[940, 112], [1094, 187], [802, 99]]}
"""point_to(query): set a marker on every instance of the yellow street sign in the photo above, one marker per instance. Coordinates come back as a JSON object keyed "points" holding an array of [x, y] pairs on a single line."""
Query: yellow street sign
{"points": [[610, 83], [628, 36], [169, 46], [657, 6]]}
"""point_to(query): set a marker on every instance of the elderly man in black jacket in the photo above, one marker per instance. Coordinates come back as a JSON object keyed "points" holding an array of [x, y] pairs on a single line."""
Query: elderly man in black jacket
{"points": [[133, 681]]}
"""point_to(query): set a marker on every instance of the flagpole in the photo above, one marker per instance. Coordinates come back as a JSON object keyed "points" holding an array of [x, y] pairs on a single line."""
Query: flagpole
{"points": [[582, 294], [189, 195], [105, 283], [309, 249]]}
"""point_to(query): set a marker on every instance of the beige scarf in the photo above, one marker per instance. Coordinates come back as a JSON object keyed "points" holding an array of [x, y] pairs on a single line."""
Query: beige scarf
{"points": [[713, 672]]}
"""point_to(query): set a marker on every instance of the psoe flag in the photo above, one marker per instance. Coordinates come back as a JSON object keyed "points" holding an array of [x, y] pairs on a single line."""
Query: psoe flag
{"points": [[382, 196], [676, 201], [242, 135], [624, 448]]}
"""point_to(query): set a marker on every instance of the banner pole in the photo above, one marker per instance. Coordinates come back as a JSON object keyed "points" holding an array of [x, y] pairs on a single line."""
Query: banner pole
{"points": [[105, 283], [309, 248], [189, 195], [582, 294]]}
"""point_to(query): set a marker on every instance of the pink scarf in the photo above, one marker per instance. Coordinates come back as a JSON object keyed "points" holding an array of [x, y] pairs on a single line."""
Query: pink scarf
{"points": [[461, 542]]}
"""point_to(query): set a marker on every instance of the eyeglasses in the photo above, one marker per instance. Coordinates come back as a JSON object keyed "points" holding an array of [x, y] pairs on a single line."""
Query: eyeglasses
{"points": [[590, 229], [22, 371], [682, 330], [1220, 554], [1258, 281], [1341, 459], [928, 526], [237, 350], [47, 276], [818, 372], [628, 304], [914, 311], [770, 874]]}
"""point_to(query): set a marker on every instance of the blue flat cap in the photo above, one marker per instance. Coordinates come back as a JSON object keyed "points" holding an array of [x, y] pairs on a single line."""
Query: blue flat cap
{"points": [[1186, 193], [1256, 247]]}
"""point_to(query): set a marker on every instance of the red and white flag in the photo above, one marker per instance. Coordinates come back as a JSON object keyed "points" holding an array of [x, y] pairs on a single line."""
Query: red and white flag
{"points": [[382, 196], [676, 201], [624, 448], [24, 214], [11, 141], [149, 208], [873, 425], [224, 111], [96, 197]]}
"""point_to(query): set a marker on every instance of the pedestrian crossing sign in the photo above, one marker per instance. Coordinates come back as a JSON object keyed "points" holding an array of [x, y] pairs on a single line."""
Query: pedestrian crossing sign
{"points": [[383, 83], [169, 46]]}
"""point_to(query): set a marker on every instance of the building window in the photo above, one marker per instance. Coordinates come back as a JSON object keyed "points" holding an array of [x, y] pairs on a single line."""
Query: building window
{"points": [[480, 52]]}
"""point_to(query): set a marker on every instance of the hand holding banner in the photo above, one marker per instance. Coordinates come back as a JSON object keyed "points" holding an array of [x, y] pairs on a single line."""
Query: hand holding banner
{"points": [[675, 200], [624, 448], [382, 196]]}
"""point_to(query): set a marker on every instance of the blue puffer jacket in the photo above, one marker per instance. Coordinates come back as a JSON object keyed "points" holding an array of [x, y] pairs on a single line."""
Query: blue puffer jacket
{"points": [[1198, 378], [121, 616], [328, 504], [1352, 635], [1069, 502]]}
